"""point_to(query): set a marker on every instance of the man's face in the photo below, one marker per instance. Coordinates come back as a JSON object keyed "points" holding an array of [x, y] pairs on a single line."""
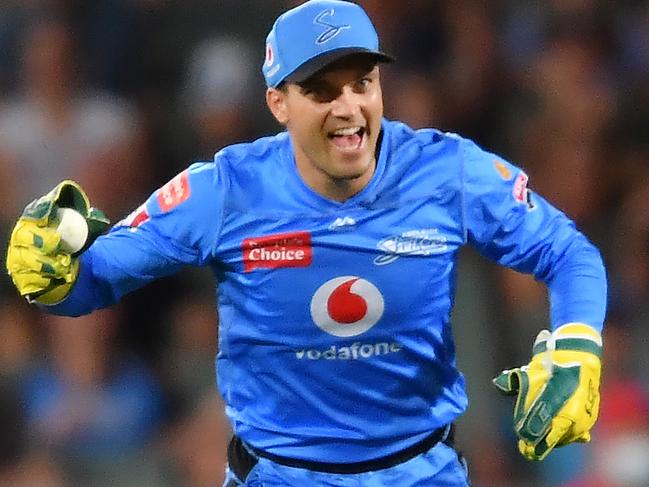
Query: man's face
{"points": [[334, 119]]}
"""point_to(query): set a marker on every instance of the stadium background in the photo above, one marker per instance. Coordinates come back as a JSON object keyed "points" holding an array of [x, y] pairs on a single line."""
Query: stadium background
{"points": [[122, 94]]}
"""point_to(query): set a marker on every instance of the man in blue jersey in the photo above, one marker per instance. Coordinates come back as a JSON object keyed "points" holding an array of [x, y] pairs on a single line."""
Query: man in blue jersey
{"points": [[334, 245]]}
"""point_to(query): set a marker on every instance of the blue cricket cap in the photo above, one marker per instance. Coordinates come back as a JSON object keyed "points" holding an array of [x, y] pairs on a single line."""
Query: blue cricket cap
{"points": [[306, 38]]}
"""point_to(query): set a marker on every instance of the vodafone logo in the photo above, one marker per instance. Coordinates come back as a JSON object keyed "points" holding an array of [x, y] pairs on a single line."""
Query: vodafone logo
{"points": [[346, 306]]}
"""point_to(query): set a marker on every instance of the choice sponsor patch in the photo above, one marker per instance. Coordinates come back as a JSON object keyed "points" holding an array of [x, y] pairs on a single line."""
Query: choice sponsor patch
{"points": [[279, 250], [174, 192]]}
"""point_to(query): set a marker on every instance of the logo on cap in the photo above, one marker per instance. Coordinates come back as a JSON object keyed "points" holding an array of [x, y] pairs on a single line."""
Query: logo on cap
{"points": [[331, 29], [347, 306], [270, 57]]}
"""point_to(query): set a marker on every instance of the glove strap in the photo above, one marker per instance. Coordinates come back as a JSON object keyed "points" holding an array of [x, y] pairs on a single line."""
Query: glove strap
{"points": [[574, 337], [572, 344]]}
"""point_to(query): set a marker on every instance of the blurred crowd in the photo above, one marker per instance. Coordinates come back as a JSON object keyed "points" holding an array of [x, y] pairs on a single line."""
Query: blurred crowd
{"points": [[120, 95]]}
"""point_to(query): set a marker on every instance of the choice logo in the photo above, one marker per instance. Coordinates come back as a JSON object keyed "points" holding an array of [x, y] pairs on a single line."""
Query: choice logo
{"points": [[279, 250], [347, 306]]}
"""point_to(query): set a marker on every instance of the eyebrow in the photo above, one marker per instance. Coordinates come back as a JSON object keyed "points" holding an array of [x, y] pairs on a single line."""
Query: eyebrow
{"points": [[311, 84]]}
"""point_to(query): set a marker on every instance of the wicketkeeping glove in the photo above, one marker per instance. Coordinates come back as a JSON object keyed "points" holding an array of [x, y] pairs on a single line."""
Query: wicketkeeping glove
{"points": [[39, 268], [557, 393]]}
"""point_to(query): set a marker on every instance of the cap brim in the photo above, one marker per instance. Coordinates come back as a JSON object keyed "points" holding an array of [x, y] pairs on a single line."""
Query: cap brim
{"points": [[318, 63]]}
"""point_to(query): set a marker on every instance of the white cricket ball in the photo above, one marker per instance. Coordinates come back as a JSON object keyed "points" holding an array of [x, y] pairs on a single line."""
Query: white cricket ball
{"points": [[73, 228]]}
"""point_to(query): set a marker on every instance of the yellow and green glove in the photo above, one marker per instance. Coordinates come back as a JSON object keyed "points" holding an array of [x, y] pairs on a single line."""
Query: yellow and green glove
{"points": [[39, 268], [557, 393]]}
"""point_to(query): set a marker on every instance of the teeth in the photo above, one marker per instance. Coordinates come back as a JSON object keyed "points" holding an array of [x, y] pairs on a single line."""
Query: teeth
{"points": [[347, 131]]}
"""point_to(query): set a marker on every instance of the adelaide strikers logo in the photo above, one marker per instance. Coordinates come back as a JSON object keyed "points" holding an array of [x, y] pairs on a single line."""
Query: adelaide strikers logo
{"points": [[346, 306]]}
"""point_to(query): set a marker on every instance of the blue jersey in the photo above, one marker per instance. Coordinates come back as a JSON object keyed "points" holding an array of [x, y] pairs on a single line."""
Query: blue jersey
{"points": [[335, 341]]}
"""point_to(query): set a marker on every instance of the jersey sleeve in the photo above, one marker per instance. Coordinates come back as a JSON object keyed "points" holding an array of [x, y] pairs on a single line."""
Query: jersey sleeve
{"points": [[517, 228], [178, 225]]}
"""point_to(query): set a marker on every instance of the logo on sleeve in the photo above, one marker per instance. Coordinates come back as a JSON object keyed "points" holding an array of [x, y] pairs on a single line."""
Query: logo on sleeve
{"points": [[521, 192], [174, 192], [520, 188], [276, 251], [503, 170], [136, 218]]}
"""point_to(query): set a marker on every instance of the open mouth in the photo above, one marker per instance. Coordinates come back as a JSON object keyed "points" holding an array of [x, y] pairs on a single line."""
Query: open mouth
{"points": [[349, 138]]}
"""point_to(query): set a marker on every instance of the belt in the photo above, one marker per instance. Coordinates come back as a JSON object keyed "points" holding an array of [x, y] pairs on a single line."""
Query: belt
{"points": [[242, 456]]}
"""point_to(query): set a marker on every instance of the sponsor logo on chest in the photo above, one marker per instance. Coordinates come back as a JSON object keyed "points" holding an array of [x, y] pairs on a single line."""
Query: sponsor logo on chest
{"points": [[345, 307], [275, 251]]}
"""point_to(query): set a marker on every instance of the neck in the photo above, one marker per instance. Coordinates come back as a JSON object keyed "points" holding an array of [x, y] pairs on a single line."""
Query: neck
{"points": [[331, 187], [342, 189]]}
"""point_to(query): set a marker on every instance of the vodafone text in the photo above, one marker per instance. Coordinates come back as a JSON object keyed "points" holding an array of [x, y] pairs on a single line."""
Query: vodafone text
{"points": [[355, 351]]}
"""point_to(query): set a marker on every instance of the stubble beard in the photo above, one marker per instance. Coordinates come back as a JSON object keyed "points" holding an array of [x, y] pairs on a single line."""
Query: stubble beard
{"points": [[346, 178]]}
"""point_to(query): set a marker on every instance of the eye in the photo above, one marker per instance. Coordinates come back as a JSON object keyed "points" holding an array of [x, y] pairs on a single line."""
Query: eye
{"points": [[363, 84], [312, 91], [319, 93]]}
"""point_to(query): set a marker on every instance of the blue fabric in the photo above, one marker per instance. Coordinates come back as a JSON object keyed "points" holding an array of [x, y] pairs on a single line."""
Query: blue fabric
{"points": [[438, 467], [335, 341], [314, 29]]}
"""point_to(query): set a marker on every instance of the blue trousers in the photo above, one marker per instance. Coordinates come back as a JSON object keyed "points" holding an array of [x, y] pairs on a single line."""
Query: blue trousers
{"points": [[441, 466]]}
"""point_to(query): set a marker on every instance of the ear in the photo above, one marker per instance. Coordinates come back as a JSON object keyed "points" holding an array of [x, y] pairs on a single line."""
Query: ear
{"points": [[276, 101]]}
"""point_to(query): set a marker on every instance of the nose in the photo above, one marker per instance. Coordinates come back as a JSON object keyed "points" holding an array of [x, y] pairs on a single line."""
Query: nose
{"points": [[346, 105]]}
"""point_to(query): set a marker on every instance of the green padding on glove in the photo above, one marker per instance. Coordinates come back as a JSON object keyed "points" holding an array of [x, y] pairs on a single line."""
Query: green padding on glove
{"points": [[38, 267], [557, 393], [534, 423], [67, 194]]}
